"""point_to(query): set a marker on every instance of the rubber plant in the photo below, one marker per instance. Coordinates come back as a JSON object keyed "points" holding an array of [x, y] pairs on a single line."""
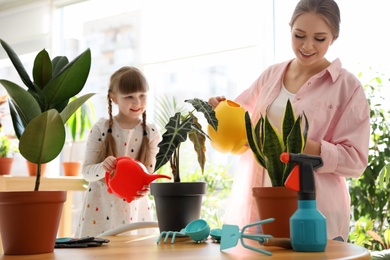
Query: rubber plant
{"points": [[267, 143], [179, 127], [40, 109]]}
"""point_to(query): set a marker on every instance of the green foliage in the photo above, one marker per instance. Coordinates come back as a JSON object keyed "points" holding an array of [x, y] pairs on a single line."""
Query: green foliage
{"points": [[81, 121], [178, 128], [369, 197], [267, 144], [364, 235], [6, 146], [219, 184], [40, 109]]}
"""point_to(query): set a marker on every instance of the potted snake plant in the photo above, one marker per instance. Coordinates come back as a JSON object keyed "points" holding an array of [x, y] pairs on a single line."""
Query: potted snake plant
{"points": [[178, 203], [267, 144], [39, 111]]}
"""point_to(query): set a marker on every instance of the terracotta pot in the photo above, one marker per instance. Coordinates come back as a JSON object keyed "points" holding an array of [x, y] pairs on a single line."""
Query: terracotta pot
{"points": [[177, 203], [279, 203], [71, 168], [32, 169], [6, 165], [29, 221]]}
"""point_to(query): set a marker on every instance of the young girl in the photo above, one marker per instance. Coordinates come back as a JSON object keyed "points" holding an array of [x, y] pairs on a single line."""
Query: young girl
{"points": [[125, 134]]}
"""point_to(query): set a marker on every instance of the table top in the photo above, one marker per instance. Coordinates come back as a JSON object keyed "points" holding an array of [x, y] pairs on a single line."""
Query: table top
{"points": [[27, 183], [145, 247]]}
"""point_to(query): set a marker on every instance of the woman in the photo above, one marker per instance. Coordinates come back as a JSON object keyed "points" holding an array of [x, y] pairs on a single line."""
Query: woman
{"points": [[336, 107]]}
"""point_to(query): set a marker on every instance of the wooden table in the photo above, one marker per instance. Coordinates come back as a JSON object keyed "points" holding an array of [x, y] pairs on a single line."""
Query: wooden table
{"points": [[70, 184], [145, 247]]}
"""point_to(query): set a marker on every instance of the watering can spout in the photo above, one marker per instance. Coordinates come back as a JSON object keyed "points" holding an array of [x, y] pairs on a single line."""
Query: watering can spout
{"points": [[153, 177]]}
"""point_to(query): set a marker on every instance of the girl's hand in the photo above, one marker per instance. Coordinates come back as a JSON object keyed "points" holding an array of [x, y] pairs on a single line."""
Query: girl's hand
{"points": [[214, 101], [109, 164], [145, 191]]}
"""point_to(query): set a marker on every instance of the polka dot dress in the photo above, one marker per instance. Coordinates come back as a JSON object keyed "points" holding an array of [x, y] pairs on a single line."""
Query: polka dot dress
{"points": [[103, 211]]}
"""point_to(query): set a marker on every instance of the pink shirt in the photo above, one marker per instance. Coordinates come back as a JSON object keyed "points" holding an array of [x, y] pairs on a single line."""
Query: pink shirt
{"points": [[339, 118]]}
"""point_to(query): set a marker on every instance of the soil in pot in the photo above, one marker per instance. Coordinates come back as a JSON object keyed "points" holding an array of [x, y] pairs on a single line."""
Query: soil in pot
{"points": [[29, 221], [177, 204], [279, 203]]}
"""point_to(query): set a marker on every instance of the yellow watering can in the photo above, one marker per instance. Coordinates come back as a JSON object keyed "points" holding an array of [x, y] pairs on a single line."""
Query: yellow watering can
{"points": [[231, 134]]}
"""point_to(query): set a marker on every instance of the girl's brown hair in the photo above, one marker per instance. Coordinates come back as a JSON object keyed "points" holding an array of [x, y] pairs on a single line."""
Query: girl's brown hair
{"points": [[126, 80], [327, 9]]}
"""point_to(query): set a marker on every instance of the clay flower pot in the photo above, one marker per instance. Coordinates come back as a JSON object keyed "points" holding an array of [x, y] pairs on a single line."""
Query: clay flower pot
{"points": [[71, 168], [29, 221], [6, 165], [279, 203]]}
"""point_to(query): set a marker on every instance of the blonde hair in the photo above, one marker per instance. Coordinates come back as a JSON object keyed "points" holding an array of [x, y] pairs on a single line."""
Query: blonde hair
{"points": [[126, 80], [327, 9]]}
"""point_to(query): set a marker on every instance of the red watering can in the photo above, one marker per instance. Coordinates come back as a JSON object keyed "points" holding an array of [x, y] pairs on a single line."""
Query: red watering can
{"points": [[129, 178]]}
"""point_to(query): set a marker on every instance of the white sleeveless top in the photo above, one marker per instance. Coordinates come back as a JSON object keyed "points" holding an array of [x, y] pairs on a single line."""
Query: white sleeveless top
{"points": [[277, 108]]}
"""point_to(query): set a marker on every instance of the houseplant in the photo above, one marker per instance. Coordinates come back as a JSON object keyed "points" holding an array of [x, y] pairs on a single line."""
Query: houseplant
{"points": [[370, 194], [39, 112], [178, 203], [267, 144], [6, 147], [77, 126]]}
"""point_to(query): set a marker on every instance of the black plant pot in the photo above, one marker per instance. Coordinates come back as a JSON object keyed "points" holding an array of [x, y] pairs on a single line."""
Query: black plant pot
{"points": [[177, 203]]}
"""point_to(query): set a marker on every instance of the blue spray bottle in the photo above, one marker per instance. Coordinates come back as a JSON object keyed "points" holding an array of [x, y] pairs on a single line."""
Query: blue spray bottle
{"points": [[307, 224]]}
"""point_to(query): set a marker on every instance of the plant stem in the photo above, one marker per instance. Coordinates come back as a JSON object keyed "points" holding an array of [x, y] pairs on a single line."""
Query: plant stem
{"points": [[38, 177]]}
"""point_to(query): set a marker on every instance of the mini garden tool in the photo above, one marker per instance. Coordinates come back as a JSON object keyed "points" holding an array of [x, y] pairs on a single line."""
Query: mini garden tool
{"points": [[216, 234], [129, 178], [307, 224], [231, 234], [198, 230]]}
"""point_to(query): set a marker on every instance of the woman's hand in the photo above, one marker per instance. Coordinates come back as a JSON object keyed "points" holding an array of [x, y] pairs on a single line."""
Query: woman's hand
{"points": [[214, 101]]}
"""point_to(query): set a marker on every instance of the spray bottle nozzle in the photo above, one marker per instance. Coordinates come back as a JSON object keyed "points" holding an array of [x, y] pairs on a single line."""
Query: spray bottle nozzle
{"points": [[301, 178]]}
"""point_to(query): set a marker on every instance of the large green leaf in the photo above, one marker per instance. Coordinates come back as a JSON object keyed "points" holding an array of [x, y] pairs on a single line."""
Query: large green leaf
{"points": [[59, 63], [69, 82], [176, 133], [42, 70], [18, 65], [273, 147], [73, 106], [254, 140], [206, 109], [198, 138], [288, 120], [295, 143], [23, 106], [43, 138]]}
